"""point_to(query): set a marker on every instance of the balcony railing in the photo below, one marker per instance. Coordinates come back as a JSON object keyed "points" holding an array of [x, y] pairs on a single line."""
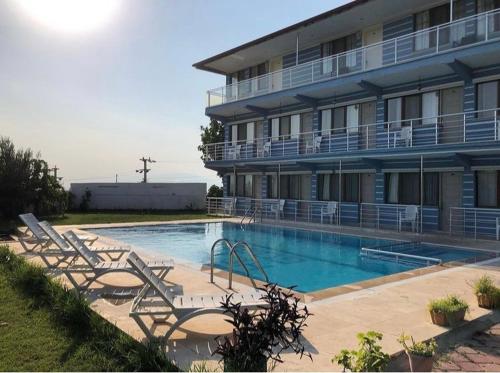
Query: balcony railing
{"points": [[449, 36], [459, 128], [475, 222]]}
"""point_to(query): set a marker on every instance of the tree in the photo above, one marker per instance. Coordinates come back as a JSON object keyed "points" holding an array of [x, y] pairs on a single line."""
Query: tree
{"points": [[26, 185], [215, 191], [210, 134]]}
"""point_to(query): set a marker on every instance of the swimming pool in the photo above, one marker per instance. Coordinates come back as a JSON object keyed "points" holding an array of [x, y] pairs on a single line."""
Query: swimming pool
{"points": [[309, 260]]}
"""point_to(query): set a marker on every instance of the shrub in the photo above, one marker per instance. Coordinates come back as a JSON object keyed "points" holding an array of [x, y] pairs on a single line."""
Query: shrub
{"points": [[448, 305], [73, 313], [426, 349], [369, 357], [485, 285], [262, 335]]}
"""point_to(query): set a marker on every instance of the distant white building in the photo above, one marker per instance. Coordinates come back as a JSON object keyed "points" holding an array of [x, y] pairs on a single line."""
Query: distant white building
{"points": [[142, 196]]}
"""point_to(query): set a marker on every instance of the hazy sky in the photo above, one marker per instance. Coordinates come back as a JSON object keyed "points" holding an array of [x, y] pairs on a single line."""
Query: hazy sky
{"points": [[93, 103]]}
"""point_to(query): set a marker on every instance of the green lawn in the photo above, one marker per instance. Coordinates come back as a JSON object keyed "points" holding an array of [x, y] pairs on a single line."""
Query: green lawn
{"points": [[76, 218]]}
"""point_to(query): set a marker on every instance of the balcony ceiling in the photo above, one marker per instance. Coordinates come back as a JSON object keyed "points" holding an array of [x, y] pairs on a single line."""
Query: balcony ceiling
{"points": [[335, 23]]}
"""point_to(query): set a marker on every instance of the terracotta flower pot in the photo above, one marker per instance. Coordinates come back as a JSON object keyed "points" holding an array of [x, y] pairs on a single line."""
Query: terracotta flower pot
{"points": [[419, 363], [447, 319], [486, 301], [439, 318]]}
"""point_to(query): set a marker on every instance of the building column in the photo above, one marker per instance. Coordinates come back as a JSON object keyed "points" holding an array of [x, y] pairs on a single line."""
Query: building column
{"points": [[314, 185], [379, 187], [316, 120], [469, 189], [380, 119], [225, 185]]}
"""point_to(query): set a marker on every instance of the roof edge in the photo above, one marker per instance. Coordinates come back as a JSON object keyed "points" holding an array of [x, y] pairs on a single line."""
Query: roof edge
{"points": [[340, 9]]}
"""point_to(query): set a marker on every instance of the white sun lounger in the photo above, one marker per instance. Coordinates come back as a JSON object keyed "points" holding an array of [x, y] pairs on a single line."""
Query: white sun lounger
{"points": [[63, 251], [38, 237], [96, 268], [182, 307]]}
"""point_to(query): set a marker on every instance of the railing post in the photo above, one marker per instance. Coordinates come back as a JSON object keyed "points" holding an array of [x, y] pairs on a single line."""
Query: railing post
{"points": [[451, 213], [337, 66], [496, 126], [475, 224], [283, 146], [347, 134], [487, 26], [411, 133], [437, 38], [396, 50], [436, 130], [464, 129], [388, 135]]}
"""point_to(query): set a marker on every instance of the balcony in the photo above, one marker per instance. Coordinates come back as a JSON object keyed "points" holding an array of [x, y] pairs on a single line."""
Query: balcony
{"points": [[466, 32], [471, 127]]}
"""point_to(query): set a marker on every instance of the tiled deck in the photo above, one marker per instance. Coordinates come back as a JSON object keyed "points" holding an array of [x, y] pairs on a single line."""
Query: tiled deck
{"points": [[388, 308]]}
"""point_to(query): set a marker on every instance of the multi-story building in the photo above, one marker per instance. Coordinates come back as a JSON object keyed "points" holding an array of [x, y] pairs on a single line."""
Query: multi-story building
{"points": [[375, 105]]}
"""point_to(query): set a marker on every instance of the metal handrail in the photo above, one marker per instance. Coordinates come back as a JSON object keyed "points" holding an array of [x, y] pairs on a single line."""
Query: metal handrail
{"points": [[427, 259], [394, 44], [252, 256], [233, 253]]}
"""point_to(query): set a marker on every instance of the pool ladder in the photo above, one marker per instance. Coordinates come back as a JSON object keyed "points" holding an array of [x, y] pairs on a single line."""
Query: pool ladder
{"points": [[234, 254], [251, 214]]}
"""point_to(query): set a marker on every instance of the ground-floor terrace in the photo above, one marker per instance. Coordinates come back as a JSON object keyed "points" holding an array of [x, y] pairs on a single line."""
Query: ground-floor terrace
{"points": [[456, 193], [390, 306]]}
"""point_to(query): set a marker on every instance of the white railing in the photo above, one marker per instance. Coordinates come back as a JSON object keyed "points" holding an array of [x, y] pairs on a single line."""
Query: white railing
{"points": [[467, 31], [475, 222], [458, 128], [364, 215]]}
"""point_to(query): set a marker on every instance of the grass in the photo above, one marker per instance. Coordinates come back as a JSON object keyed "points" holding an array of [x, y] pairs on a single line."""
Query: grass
{"points": [[447, 305], [43, 327], [104, 217]]}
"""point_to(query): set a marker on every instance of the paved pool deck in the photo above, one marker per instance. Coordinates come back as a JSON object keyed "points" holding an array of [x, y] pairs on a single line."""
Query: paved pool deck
{"points": [[389, 308]]}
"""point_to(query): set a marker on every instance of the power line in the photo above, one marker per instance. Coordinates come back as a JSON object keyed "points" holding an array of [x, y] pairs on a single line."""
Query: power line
{"points": [[145, 168]]}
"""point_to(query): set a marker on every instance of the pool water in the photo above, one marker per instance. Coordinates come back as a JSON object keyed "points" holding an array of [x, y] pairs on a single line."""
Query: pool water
{"points": [[309, 260]]}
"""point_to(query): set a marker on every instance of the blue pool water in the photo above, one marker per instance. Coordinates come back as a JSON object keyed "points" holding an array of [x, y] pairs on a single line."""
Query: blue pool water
{"points": [[306, 259]]}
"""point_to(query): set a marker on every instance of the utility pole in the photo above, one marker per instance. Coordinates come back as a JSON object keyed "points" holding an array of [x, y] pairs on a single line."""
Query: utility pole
{"points": [[145, 168], [54, 170]]}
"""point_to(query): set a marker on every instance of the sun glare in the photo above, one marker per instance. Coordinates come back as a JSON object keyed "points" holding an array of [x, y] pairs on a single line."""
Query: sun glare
{"points": [[71, 16]]}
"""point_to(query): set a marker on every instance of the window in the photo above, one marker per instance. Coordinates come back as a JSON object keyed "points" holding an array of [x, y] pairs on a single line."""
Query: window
{"points": [[231, 185], [404, 188], [289, 187], [493, 21], [341, 45], [242, 132], [339, 120], [244, 185], [394, 111], [326, 121], [411, 107], [487, 98], [328, 187], [488, 193], [352, 118], [350, 187], [285, 128], [401, 110], [272, 186], [430, 18]]}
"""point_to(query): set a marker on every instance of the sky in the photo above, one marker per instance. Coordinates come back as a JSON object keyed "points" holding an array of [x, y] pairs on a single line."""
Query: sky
{"points": [[94, 102]]}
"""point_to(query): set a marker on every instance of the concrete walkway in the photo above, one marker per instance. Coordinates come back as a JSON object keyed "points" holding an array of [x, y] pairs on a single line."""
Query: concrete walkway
{"points": [[390, 309]]}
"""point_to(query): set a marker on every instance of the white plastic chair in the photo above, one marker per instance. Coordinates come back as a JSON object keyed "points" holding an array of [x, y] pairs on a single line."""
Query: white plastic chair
{"points": [[229, 206], [405, 134], [330, 210], [235, 152], [410, 216], [498, 229], [264, 150], [278, 208], [315, 145]]}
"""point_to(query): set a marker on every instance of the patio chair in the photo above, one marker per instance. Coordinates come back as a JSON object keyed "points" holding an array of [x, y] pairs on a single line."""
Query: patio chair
{"points": [[498, 229], [38, 237], [278, 208], [405, 134], [264, 150], [410, 215], [230, 206], [315, 146], [64, 251], [235, 152], [96, 268], [183, 308], [330, 210]]}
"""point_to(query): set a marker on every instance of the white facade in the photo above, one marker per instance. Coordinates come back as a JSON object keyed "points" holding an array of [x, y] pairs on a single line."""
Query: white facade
{"points": [[140, 196]]}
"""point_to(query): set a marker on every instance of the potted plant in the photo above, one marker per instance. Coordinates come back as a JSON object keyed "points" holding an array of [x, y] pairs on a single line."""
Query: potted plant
{"points": [[369, 357], [448, 311], [488, 295], [262, 335], [420, 354]]}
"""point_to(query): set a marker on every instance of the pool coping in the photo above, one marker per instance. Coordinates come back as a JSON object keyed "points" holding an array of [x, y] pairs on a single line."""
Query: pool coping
{"points": [[312, 296]]}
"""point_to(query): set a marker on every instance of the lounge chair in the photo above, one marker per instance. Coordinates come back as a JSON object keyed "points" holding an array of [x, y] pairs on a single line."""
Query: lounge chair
{"points": [[264, 150], [97, 268], [405, 134], [38, 237], [63, 251], [410, 216], [182, 307], [315, 146], [330, 210], [230, 206]]}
